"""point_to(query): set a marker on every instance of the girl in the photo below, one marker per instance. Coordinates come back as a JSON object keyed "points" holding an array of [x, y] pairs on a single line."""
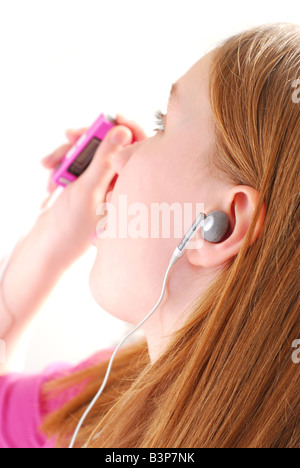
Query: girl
{"points": [[216, 367]]}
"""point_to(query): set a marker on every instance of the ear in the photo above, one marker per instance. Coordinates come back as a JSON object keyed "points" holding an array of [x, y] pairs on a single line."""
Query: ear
{"points": [[239, 204]]}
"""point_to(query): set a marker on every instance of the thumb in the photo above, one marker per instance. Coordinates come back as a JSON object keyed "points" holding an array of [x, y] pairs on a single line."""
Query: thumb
{"points": [[101, 168]]}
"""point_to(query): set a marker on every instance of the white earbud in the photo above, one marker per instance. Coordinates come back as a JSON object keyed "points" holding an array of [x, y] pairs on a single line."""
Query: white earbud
{"points": [[214, 227]]}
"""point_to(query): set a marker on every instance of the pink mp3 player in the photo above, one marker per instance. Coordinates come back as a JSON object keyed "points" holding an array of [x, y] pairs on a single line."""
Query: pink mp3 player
{"points": [[82, 152]]}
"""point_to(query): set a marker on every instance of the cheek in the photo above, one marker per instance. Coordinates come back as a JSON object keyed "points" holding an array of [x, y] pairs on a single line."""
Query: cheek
{"points": [[124, 275], [128, 270], [127, 275]]}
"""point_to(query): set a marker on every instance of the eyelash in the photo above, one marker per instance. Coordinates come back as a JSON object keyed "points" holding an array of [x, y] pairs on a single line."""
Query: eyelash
{"points": [[160, 121]]}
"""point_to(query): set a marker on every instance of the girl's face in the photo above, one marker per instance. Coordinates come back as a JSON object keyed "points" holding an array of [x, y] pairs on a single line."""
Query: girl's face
{"points": [[170, 167]]}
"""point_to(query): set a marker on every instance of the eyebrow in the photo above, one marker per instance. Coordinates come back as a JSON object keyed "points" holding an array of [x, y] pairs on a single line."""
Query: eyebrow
{"points": [[174, 91]]}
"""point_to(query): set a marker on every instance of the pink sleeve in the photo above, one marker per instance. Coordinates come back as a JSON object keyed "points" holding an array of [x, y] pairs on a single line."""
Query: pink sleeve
{"points": [[21, 410]]}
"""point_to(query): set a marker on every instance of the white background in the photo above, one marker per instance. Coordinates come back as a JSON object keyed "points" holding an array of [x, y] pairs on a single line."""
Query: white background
{"points": [[62, 63]]}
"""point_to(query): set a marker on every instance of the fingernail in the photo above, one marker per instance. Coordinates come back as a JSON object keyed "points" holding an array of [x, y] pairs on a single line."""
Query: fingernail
{"points": [[119, 138]]}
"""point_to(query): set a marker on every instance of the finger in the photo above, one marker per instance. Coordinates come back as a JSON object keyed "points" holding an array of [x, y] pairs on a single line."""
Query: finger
{"points": [[101, 171], [54, 158], [136, 129], [51, 186], [74, 135]]}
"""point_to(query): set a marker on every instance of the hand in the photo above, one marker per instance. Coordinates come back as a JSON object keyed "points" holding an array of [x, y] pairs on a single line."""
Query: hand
{"points": [[72, 218]]}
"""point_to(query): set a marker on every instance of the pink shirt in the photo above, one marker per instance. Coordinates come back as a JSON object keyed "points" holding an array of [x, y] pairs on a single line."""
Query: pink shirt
{"points": [[21, 407]]}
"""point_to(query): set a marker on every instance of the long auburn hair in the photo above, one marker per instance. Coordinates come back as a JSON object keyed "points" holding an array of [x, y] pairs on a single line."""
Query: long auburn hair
{"points": [[227, 379]]}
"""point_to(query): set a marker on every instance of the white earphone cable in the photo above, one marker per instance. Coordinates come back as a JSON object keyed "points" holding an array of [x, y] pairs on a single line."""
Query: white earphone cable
{"points": [[113, 356], [176, 255]]}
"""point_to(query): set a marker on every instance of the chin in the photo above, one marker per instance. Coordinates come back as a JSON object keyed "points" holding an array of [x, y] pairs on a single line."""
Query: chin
{"points": [[107, 299]]}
